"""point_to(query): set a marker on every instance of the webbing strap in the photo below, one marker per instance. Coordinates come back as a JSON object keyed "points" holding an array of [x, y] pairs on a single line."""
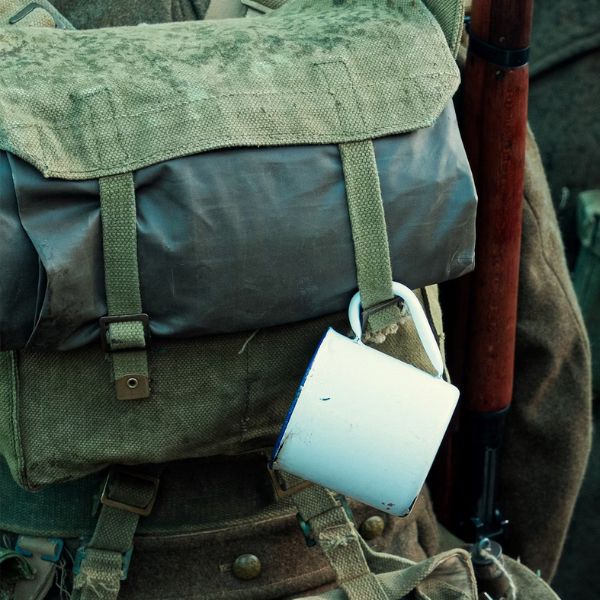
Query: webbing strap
{"points": [[102, 564], [125, 329], [24, 13], [332, 529], [229, 9], [371, 246]]}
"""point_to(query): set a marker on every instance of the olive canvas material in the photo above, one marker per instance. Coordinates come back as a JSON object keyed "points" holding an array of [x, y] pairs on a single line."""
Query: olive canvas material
{"points": [[167, 91], [229, 240], [213, 395], [549, 426], [210, 513], [310, 72]]}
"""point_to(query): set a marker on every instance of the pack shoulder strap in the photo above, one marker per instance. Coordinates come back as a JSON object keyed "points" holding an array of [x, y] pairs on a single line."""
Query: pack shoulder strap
{"points": [[325, 520], [102, 564]]}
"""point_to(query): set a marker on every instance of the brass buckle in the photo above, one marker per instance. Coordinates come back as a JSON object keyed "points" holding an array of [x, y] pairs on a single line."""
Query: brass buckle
{"points": [[285, 492], [143, 511]]}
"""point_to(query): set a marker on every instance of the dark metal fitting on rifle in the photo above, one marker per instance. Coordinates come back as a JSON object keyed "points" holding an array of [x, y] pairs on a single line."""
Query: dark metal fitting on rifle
{"points": [[132, 479], [486, 556], [369, 312], [105, 322], [507, 58]]}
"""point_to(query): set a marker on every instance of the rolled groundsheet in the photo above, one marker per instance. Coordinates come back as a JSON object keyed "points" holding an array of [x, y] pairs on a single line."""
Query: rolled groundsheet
{"points": [[228, 240]]}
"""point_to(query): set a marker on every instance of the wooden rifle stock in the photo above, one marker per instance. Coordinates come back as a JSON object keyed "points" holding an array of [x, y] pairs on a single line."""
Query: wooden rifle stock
{"points": [[481, 309]]}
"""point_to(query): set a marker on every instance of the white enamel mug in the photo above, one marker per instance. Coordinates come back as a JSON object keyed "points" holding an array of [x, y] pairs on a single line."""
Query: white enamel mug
{"points": [[365, 424]]}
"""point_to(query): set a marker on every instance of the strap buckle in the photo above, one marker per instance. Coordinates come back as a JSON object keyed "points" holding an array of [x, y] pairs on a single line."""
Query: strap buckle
{"points": [[136, 478], [307, 529], [105, 322], [283, 491], [369, 312], [80, 556]]}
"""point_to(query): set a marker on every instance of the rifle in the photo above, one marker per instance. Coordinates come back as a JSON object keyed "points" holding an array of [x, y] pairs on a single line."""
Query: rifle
{"points": [[483, 305]]}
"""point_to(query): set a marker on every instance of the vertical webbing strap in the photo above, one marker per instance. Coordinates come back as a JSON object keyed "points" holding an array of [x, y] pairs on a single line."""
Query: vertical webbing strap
{"points": [[371, 246], [124, 332], [331, 527], [102, 564]]}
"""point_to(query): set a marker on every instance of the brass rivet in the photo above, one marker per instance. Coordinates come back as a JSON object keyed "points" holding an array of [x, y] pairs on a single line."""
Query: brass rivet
{"points": [[247, 566], [372, 527], [132, 383]]}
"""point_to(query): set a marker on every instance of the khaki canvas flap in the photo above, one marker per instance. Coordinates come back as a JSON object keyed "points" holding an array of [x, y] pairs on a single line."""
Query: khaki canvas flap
{"points": [[84, 104]]}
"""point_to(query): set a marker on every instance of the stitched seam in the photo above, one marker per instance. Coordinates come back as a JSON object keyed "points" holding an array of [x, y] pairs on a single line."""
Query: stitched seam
{"points": [[309, 92], [181, 150]]}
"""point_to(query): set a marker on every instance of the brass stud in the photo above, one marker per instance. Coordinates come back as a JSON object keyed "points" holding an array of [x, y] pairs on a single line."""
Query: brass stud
{"points": [[372, 527], [246, 567]]}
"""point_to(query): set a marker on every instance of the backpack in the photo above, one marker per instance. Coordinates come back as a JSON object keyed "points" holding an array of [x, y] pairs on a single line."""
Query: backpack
{"points": [[127, 341]]}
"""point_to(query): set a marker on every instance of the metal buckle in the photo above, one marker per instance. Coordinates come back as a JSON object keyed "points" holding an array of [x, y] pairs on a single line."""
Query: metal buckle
{"points": [[105, 322], [80, 556], [368, 312], [285, 492], [143, 511], [306, 527]]}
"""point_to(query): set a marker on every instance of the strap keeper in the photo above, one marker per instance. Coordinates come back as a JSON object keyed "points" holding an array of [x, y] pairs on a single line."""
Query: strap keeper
{"points": [[105, 323], [141, 510], [284, 490], [369, 312]]}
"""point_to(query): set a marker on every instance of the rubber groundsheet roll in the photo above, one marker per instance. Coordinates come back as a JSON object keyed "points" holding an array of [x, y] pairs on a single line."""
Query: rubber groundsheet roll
{"points": [[228, 240]]}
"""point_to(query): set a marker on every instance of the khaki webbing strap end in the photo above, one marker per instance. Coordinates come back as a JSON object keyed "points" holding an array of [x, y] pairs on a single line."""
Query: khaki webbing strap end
{"points": [[24, 13], [230, 9], [329, 524], [125, 331], [103, 563], [369, 233]]}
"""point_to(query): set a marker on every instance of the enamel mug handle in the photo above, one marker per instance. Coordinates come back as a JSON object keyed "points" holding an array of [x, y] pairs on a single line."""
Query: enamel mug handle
{"points": [[418, 315]]}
